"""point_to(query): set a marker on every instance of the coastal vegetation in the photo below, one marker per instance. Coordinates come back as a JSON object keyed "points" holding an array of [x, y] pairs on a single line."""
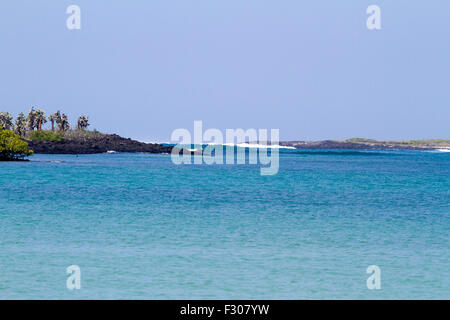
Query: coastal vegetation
{"points": [[12, 148], [35, 121], [5, 121], [53, 134], [15, 135], [45, 135], [31, 126]]}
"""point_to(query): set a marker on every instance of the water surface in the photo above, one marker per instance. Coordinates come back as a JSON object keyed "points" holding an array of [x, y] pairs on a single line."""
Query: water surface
{"points": [[140, 227]]}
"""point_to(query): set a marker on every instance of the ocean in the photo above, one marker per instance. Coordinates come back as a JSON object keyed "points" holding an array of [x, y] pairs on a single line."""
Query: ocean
{"points": [[140, 227]]}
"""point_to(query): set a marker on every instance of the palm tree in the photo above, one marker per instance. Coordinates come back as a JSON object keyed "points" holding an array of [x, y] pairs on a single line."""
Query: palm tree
{"points": [[5, 121], [21, 125], [31, 119], [83, 122], [58, 119], [63, 123], [40, 119], [53, 118], [57, 116]]}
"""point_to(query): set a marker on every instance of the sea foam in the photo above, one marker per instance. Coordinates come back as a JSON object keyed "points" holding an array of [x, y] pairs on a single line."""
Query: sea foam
{"points": [[252, 145]]}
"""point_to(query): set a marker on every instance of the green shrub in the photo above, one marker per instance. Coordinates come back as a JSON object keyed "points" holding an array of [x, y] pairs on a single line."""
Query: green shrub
{"points": [[45, 136], [12, 147]]}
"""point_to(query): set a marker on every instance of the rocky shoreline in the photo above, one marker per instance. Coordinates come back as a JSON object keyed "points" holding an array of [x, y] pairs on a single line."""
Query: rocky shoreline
{"points": [[103, 143], [100, 144]]}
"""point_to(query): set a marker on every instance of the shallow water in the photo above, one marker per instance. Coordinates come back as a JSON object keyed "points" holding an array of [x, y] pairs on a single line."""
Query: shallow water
{"points": [[140, 227]]}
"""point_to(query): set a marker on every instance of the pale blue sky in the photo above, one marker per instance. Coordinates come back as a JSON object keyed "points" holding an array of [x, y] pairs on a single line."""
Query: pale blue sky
{"points": [[310, 68]]}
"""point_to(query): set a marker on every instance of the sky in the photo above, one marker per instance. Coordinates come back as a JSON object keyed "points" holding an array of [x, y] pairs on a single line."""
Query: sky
{"points": [[311, 69]]}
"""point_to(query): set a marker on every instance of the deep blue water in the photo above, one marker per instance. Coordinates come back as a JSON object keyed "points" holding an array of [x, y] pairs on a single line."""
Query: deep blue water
{"points": [[140, 227]]}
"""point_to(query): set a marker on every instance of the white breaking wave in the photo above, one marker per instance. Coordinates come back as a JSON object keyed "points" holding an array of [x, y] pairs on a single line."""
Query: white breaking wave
{"points": [[443, 150], [155, 142], [252, 145]]}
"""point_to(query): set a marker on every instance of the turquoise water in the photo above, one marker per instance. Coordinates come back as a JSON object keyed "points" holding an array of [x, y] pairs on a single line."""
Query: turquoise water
{"points": [[140, 227]]}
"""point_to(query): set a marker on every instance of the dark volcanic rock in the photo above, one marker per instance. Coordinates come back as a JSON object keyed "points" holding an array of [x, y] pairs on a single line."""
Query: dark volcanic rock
{"points": [[101, 144]]}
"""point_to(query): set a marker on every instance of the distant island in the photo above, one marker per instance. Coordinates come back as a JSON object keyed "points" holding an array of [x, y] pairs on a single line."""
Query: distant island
{"points": [[360, 143], [26, 135]]}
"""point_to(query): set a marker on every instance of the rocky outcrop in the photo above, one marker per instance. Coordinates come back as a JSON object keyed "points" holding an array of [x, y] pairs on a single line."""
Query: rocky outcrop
{"points": [[100, 144]]}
